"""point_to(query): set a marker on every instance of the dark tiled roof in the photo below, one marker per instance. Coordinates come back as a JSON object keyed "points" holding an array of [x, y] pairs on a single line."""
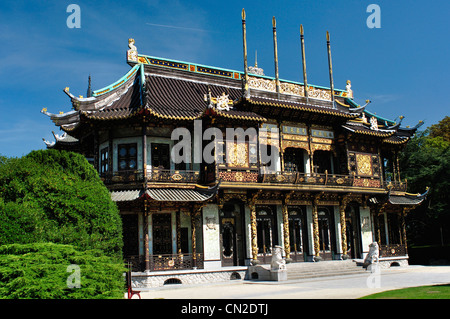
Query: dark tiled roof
{"points": [[126, 105], [181, 99], [404, 200]]}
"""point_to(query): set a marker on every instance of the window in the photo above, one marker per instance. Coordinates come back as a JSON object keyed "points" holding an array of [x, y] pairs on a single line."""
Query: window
{"points": [[104, 156], [161, 155], [127, 157]]}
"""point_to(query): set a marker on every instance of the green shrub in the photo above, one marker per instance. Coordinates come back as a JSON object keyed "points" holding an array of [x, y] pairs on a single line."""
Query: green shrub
{"points": [[57, 196], [40, 271]]}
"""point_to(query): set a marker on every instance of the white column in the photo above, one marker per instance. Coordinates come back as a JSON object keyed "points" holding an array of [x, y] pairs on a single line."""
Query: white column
{"points": [[366, 229], [310, 230], [337, 229], [211, 237]]}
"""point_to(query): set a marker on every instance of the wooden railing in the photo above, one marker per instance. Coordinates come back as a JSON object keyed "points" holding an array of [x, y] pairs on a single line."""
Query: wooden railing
{"points": [[392, 250], [175, 262], [284, 177], [154, 175], [166, 262], [125, 177], [174, 176]]}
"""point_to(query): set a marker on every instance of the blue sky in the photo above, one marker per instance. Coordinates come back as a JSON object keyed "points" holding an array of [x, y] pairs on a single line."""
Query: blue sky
{"points": [[402, 67]]}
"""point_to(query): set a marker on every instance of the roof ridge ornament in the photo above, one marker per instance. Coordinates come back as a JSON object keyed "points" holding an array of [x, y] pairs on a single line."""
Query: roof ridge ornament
{"points": [[132, 54], [348, 87]]}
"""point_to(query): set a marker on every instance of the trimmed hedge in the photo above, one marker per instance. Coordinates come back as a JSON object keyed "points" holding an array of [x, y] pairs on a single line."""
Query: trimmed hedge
{"points": [[40, 271]]}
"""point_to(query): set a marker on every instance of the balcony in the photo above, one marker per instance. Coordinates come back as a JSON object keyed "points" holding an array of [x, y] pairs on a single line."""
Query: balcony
{"points": [[155, 175], [123, 177], [173, 176], [283, 177]]}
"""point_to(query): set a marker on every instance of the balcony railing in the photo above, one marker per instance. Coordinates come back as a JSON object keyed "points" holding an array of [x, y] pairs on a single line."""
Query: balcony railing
{"points": [[392, 250], [125, 177], [174, 176], [176, 261], [155, 175], [166, 262], [308, 179], [396, 186]]}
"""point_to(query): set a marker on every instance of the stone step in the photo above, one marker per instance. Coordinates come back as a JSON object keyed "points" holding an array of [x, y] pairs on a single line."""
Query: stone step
{"points": [[323, 269]]}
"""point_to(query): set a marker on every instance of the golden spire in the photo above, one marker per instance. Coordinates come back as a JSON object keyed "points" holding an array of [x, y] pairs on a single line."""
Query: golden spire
{"points": [[275, 53], [305, 82], [330, 68], [244, 39]]}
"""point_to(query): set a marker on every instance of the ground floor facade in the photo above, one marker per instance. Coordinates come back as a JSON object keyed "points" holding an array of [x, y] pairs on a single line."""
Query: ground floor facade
{"points": [[237, 231]]}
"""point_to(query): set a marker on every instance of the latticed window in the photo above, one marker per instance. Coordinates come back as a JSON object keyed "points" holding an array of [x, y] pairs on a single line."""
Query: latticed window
{"points": [[127, 156], [104, 157]]}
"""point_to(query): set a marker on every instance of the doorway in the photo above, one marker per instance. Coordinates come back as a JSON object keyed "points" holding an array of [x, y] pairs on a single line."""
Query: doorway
{"points": [[326, 233], [162, 233], [266, 232], [353, 231], [297, 233], [231, 231]]}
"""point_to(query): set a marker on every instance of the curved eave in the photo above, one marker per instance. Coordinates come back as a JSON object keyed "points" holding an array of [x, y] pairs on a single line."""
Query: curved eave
{"points": [[245, 116], [156, 114], [301, 107], [397, 141], [367, 131]]}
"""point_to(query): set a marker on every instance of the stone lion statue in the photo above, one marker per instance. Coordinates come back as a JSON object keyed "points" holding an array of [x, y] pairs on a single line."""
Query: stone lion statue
{"points": [[373, 255], [278, 263]]}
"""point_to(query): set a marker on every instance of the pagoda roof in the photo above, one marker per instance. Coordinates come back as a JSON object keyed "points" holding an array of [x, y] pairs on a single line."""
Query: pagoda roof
{"points": [[184, 91]]}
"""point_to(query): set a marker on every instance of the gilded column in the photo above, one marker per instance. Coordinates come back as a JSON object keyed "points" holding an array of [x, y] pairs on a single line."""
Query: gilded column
{"points": [[194, 215], [286, 236], [403, 215], [146, 245], [342, 206], [254, 242], [178, 222], [316, 228]]}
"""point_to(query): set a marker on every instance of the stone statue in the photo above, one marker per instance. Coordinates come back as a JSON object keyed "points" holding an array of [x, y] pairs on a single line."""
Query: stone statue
{"points": [[278, 263], [372, 257]]}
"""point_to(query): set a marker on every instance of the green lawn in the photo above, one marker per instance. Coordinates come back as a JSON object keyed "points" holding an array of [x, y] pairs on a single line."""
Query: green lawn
{"points": [[424, 292]]}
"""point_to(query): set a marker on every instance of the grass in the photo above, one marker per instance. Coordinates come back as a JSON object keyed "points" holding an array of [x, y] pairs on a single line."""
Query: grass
{"points": [[424, 292]]}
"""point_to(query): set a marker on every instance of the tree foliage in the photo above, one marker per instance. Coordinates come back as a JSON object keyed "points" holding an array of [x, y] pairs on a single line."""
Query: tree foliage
{"points": [[425, 162], [57, 196], [43, 271], [55, 211]]}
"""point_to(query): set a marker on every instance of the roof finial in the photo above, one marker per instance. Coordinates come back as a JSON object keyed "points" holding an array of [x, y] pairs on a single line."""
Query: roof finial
{"points": [[256, 58], [305, 82], [330, 68], [89, 90], [244, 40], [275, 53]]}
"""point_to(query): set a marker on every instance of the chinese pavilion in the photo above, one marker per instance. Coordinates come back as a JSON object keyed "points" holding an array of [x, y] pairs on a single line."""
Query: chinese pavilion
{"points": [[336, 187]]}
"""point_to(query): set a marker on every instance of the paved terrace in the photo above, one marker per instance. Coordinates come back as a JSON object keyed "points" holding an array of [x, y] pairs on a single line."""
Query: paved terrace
{"points": [[337, 287]]}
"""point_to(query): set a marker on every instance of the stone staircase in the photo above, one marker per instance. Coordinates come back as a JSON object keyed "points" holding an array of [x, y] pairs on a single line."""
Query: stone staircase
{"points": [[306, 270]]}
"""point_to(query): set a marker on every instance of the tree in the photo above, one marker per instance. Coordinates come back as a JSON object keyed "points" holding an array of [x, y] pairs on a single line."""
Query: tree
{"points": [[54, 212], [426, 162], [57, 196]]}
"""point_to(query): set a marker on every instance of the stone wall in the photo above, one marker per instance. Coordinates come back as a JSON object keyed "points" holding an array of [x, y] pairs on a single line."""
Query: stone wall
{"points": [[153, 280]]}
